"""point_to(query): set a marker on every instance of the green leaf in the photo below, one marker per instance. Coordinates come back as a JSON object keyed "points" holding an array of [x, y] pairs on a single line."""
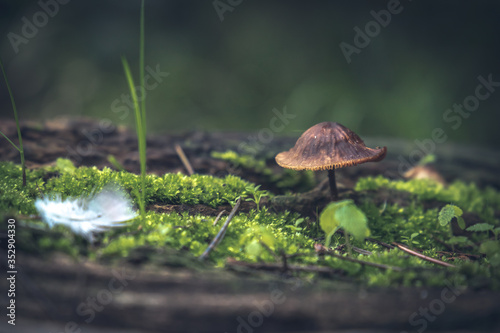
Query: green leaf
{"points": [[458, 211], [458, 240], [299, 221], [346, 215], [253, 248], [65, 165], [327, 220], [447, 213], [353, 220], [413, 235], [257, 234], [293, 228], [480, 227], [328, 239], [461, 223], [267, 237], [118, 166], [490, 247]]}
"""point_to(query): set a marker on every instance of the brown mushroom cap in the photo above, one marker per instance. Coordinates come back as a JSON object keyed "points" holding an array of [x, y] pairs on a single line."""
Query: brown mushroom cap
{"points": [[328, 145]]}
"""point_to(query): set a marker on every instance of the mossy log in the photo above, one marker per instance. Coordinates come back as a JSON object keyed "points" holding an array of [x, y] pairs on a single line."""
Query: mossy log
{"points": [[183, 297]]}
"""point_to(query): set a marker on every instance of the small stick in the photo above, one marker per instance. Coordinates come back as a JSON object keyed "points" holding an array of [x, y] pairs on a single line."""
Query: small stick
{"points": [[264, 245], [184, 159], [279, 267], [420, 255], [295, 255], [442, 243], [285, 262], [367, 238], [218, 217], [361, 251], [349, 249], [373, 240], [323, 250], [221, 232], [460, 255]]}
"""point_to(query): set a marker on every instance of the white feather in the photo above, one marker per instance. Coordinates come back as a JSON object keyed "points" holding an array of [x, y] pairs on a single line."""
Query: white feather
{"points": [[88, 215]]}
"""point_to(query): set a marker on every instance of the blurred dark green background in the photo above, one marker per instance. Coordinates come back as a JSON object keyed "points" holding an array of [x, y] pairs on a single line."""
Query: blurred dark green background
{"points": [[230, 74]]}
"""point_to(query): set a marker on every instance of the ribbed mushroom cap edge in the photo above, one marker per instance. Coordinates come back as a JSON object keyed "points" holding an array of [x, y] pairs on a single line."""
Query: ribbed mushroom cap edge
{"points": [[328, 145]]}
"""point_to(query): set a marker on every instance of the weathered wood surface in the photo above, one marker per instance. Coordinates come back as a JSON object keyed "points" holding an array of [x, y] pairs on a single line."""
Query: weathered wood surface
{"points": [[178, 300], [87, 142]]}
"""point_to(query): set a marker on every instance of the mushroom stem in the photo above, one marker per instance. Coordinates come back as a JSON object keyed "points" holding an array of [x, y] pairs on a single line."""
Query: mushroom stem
{"points": [[333, 184]]}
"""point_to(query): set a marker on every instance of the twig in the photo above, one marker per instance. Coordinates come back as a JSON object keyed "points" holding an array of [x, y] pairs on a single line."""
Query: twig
{"points": [[277, 257], [285, 261], [323, 250], [420, 255], [296, 255], [459, 255], [340, 248], [373, 240], [221, 233], [184, 159], [443, 243], [279, 267], [361, 251], [348, 243], [340, 231], [218, 217]]}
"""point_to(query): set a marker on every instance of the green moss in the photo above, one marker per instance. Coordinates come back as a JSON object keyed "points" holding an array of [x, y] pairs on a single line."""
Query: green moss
{"points": [[466, 196], [166, 189], [286, 180], [261, 235], [14, 198], [244, 161], [193, 233], [397, 224]]}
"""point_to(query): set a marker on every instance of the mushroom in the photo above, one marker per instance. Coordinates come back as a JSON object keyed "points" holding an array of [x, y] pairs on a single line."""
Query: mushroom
{"points": [[329, 146]]}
